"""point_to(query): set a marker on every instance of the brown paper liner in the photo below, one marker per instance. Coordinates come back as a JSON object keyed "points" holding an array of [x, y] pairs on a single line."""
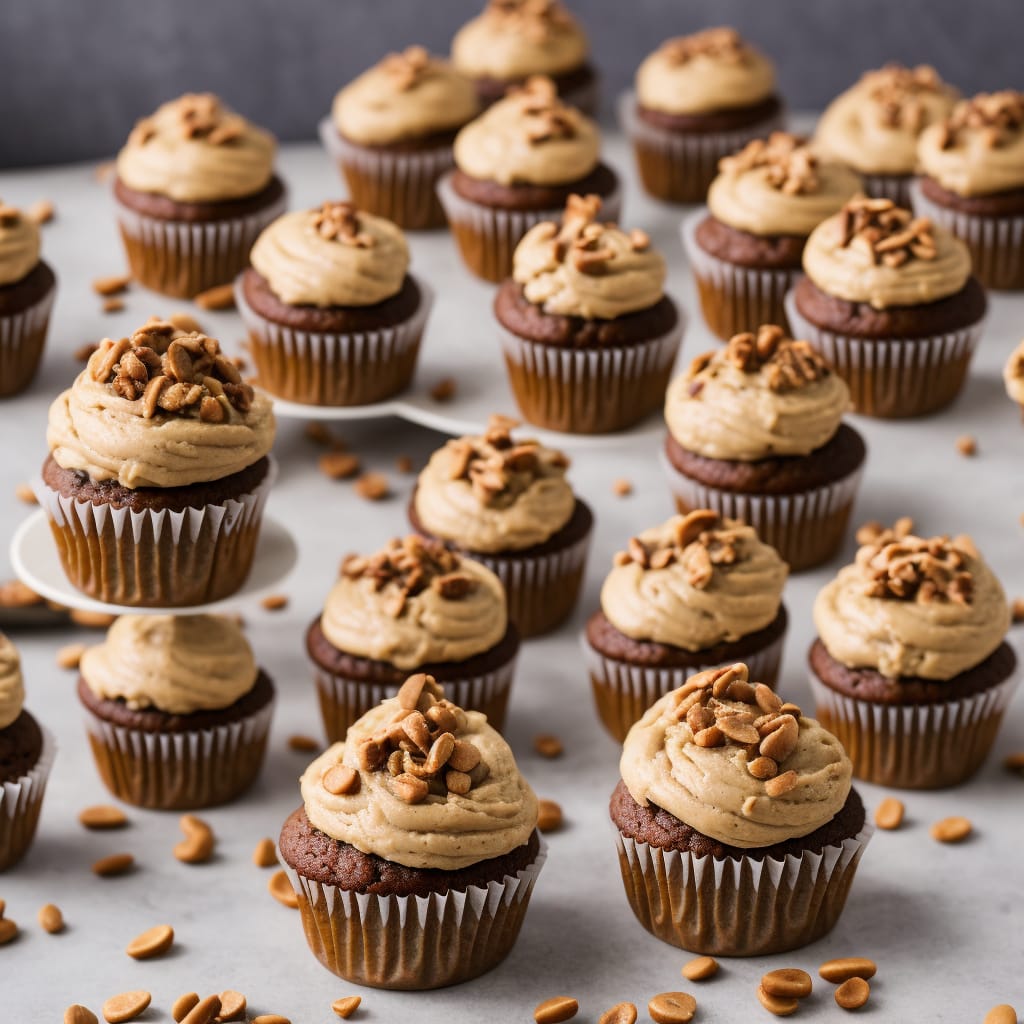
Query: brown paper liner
{"points": [[22, 338], [20, 803]]}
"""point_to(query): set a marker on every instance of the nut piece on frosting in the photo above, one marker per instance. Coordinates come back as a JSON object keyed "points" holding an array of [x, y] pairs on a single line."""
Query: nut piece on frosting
{"points": [[339, 222], [545, 116], [899, 91], [886, 233], [998, 116], [722, 44], [196, 116], [791, 165]]}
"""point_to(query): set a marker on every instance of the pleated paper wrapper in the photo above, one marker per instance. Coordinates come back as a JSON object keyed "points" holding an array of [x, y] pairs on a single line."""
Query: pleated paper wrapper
{"points": [[20, 803], [889, 186], [22, 337]]}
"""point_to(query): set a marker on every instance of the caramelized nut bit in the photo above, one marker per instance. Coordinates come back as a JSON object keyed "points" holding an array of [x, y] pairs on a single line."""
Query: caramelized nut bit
{"points": [[844, 968], [8, 931], [70, 655], [221, 296], [340, 779], [232, 1006], [444, 390], [41, 211], [951, 830], [465, 757], [205, 1011], [1001, 1014], [763, 768], [787, 983], [672, 1008], [113, 305], [776, 1004], [700, 968], [549, 818], [112, 285], [126, 1006], [556, 1010], [346, 1006], [265, 854], [270, 1018], [183, 1005], [151, 943], [281, 889], [781, 784], [197, 846], [102, 816], [967, 445], [458, 782], [339, 465], [51, 919], [78, 1014], [373, 486], [1015, 762], [24, 492], [620, 1013], [853, 993], [113, 864], [274, 602], [548, 745], [410, 789], [303, 744], [889, 814], [622, 488]]}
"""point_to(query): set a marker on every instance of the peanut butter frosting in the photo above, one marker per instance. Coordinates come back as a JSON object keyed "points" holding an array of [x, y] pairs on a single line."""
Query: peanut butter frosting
{"points": [[332, 256], [529, 138], [1013, 375], [513, 39], [735, 763], [407, 95], [779, 186], [177, 664], [979, 149], [492, 493], [760, 396], [873, 251], [928, 608], [12, 685], [585, 268], [705, 72], [415, 603], [874, 126], [161, 408], [196, 150], [451, 798], [19, 245], [693, 582]]}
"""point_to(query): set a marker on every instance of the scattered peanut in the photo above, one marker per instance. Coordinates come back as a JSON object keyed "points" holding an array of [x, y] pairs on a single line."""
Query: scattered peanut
{"points": [[444, 390], [70, 655], [776, 1004], [51, 919], [8, 931], [274, 602], [620, 1013], [346, 1006], [77, 1014], [102, 816], [622, 488], [197, 846], [1015, 762], [265, 854], [24, 492], [92, 620], [282, 891], [270, 1018], [232, 1006], [113, 864], [303, 744], [556, 1010], [339, 465], [404, 464], [204, 1011], [41, 211], [126, 1006], [548, 745], [151, 943], [1017, 611], [1001, 1014], [113, 305], [844, 968], [967, 445], [787, 983], [183, 1005], [549, 818], [373, 486], [672, 1008], [113, 285], [222, 296], [700, 968], [185, 321], [951, 830], [83, 352], [889, 814], [853, 993]]}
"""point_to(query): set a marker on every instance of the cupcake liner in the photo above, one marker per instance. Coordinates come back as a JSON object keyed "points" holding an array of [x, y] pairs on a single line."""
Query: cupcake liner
{"points": [[182, 259], [389, 183], [806, 528], [320, 368], [889, 186], [592, 390], [680, 166], [894, 378], [156, 558], [180, 770], [414, 942], [344, 699], [22, 337], [743, 907], [915, 746], [20, 804], [996, 243], [734, 299], [623, 692], [487, 235]]}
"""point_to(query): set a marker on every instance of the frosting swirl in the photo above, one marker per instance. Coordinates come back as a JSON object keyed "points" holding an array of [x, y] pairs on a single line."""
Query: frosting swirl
{"points": [[1013, 375], [178, 664], [19, 245], [194, 150], [12, 685]]}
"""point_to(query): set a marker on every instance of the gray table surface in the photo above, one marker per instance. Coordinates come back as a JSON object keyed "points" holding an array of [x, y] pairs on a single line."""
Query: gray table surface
{"points": [[942, 922]]}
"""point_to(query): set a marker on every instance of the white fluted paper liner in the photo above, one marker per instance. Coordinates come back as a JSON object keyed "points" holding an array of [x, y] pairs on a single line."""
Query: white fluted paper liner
{"points": [[22, 336], [20, 803], [889, 186], [738, 907], [894, 377]]}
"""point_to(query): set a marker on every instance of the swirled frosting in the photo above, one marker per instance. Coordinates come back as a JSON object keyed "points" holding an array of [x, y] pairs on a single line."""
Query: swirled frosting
{"points": [[195, 150], [19, 245], [407, 95], [332, 256], [760, 396], [177, 664], [513, 39], [1013, 375], [530, 137], [708, 71], [12, 685], [693, 582]]}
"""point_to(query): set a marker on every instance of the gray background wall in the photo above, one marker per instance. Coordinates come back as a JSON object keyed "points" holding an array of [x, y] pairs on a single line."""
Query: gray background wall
{"points": [[75, 74]]}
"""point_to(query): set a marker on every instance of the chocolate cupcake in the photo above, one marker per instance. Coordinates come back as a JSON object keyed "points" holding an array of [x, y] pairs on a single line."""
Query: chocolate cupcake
{"points": [[910, 669], [414, 606], [745, 248], [755, 432], [506, 504], [27, 288], [416, 849], [333, 316], [195, 185], [158, 471], [391, 133], [698, 98], [1013, 377], [515, 166], [588, 333], [874, 126], [696, 592], [738, 831], [891, 303], [26, 757], [511, 40], [177, 711]]}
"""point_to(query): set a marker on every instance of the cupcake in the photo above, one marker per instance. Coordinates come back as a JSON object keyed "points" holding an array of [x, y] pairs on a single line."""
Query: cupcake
{"points": [[588, 333], [413, 606], [158, 471], [26, 757], [745, 248], [692, 594], [416, 849], [1013, 376], [177, 711], [890, 301], [874, 126], [195, 185], [738, 831], [391, 133], [972, 182], [27, 288], [910, 669], [756, 432], [514, 39], [334, 318], [515, 166], [698, 98], [506, 504]]}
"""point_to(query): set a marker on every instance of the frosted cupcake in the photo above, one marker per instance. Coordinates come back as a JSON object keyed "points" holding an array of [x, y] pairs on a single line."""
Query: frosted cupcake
{"points": [[1013, 376]]}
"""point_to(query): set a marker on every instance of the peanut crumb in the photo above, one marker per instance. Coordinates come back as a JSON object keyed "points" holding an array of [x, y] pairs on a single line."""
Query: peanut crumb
{"points": [[967, 445], [303, 744], [444, 390], [339, 465], [70, 655], [41, 212], [320, 433], [113, 305], [15, 594], [112, 285], [621, 488], [23, 492], [274, 602], [373, 486], [404, 464], [265, 854], [548, 745], [1017, 610], [222, 296], [550, 816]]}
